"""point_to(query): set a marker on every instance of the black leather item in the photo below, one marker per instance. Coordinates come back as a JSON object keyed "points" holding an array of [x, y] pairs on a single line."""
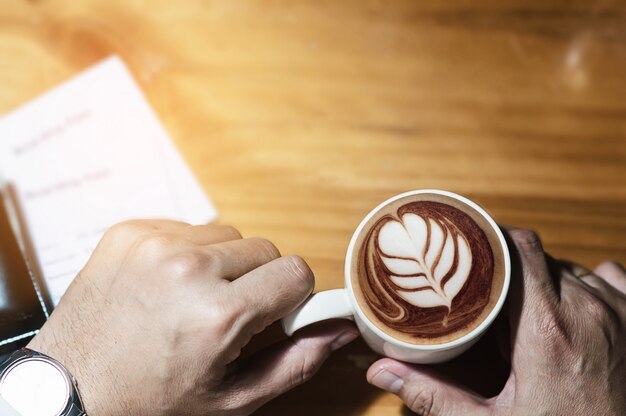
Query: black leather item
{"points": [[21, 311]]}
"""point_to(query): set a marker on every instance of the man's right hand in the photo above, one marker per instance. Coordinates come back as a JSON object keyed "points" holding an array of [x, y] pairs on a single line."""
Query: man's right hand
{"points": [[154, 323], [568, 345]]}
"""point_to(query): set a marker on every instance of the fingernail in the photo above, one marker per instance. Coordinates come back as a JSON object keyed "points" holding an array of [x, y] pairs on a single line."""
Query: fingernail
{"points": [[343, 339], [388, 381]]}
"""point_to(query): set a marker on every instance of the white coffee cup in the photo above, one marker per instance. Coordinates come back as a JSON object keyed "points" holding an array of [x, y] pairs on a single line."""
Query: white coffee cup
{"points": [[341, 303]]}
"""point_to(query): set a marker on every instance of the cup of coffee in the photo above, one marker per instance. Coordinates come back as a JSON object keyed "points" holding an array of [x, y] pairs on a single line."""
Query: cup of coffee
{"points": [[426, 273]]}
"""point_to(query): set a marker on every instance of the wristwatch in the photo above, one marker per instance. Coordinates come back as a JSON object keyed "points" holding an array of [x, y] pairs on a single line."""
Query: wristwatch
{"points": [[37, 385]]}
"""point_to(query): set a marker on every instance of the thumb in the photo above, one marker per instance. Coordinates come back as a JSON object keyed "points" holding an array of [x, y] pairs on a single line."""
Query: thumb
{"points": [[423, 391], [281, 367]]}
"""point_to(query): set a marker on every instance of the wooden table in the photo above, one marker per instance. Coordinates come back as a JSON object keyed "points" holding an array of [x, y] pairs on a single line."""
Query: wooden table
{"points": [[298, 117]]}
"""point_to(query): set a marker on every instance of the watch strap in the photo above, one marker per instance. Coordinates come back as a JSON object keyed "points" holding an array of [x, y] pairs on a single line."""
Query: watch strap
{"points": [[75, 411]]}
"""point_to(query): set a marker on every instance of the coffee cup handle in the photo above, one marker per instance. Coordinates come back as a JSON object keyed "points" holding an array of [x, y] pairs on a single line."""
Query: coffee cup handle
{"points": [[324, 305]]}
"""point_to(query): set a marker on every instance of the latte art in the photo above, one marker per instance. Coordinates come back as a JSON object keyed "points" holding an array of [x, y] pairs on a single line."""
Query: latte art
{"points": [[427, 261], [426, 270]]}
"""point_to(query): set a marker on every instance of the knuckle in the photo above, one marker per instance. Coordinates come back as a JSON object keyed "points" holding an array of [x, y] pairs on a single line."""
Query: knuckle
{"points": [[186, 264], [421, 401], [613, 264], [267, 247], [220, 318], [611, 267], [526, 238], [299, 269], [312, 354], [214, 261], [154, 245], [238, 307], [122, 230], [233, 231], [305, 371]]}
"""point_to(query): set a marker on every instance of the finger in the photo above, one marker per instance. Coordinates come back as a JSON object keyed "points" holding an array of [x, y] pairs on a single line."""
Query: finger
{"points": [[235, 258], [589, 280], [210, 234], [614, 274], [274, 289], [533, 289], [281, 367], [594, 294], [571, 277], [575, 269], [536, 277], [605, 291], [424, 391]]}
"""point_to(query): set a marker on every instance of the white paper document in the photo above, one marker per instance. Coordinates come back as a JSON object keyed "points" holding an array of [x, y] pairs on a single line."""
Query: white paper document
{"points": [[86, 155]]}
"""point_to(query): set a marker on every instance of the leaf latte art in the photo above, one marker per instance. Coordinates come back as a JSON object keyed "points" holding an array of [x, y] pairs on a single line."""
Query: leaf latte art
{"points": [[426, 269], [427, 261]]}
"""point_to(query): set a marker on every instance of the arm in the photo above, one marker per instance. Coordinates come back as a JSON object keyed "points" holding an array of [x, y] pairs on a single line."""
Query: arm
{"points": [[155, 322]]}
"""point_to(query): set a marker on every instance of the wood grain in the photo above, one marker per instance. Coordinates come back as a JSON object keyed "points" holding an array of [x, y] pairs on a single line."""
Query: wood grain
{"points": [[299, 117]]}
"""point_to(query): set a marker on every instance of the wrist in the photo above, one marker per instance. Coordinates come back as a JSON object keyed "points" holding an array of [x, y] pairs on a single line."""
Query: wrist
{"points": [[71, 361]]}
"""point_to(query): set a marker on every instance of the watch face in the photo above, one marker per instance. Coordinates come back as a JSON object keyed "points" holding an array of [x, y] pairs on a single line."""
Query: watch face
{"points": [[35, 387]]}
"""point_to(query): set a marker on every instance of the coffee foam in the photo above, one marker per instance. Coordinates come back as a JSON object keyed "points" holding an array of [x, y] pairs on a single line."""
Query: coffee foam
{"points": [[427, 269]]}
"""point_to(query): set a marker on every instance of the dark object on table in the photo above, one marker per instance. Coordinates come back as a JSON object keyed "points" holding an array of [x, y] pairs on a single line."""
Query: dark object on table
{"points": [[22, 310]]}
